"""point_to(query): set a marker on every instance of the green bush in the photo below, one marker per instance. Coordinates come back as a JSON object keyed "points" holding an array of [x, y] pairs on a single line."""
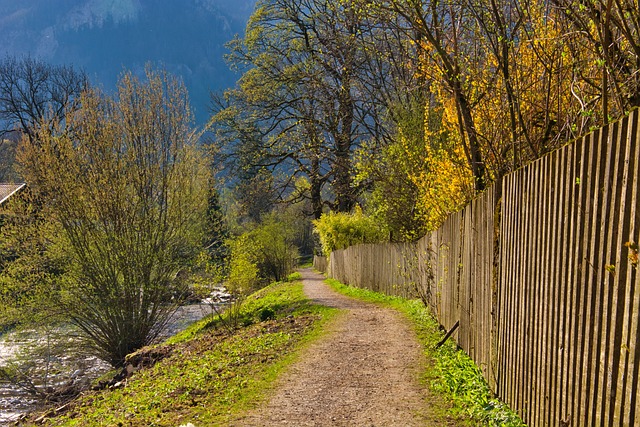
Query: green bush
{"points": [[341, 230], [294, 276], [276, 252], [244, 274], [266, 314], [260, 256]]}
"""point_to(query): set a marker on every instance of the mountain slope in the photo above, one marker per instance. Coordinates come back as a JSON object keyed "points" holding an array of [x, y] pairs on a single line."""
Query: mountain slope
{"points": [[103, 37]]}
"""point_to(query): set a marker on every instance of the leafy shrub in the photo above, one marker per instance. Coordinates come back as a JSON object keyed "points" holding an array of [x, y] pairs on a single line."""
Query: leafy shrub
{"points": [[341, 230], [243, 265], [294, 276], [266, 314], [265, 254], [276, 252]]}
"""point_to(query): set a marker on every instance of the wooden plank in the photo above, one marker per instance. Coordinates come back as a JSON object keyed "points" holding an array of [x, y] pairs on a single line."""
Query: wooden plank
{"points": [[464, 300], [502, 309], [526, 294], [584, 206], [548, 260], [528, 284], [568, 287], [633, 373], [553, 371], [623, 275], [564, 294], [591, 259], [483, 253], [472, 279], [512, 299], [487, 336], [537, 400], [457, 236], [506, 286], [534, 290], [521, 295], [549, 255], [612, 354], [600, 390]]}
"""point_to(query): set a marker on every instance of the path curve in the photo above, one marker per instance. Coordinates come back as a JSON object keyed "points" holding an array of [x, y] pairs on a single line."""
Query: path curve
{"points": [[363, 372]]}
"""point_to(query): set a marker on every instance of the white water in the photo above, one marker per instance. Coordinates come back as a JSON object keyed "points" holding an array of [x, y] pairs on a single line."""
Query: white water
{"points": [[15, 402]]}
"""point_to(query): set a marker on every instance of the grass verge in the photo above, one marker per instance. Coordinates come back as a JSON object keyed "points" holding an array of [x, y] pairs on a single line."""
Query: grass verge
{"points": [[453, 374], [209, 375]]}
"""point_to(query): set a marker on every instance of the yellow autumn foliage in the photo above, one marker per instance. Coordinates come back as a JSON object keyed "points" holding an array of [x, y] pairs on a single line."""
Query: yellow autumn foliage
{"points": [[445, 182]]}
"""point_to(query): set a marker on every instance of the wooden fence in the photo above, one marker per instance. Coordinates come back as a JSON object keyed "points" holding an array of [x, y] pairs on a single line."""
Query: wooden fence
{"points": [[541, 273]]}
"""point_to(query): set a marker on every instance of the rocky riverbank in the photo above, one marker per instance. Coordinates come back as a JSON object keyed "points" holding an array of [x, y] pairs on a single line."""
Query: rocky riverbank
{"points": [[69, 368]]}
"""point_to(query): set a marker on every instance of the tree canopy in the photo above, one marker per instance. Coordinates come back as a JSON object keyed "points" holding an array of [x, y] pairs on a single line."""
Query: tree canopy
{"points": [[300, 109], [328, 87]]}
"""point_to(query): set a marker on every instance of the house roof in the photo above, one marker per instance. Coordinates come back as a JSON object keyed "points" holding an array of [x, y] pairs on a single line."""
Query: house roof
{"points": [[7, 190]]}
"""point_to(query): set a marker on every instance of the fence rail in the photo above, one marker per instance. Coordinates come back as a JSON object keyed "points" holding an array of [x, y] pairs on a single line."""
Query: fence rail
{"points": [[541, 272]]}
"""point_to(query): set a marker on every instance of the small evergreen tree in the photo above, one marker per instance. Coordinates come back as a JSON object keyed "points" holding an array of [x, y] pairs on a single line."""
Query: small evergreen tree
{"points": [[217, 231]]}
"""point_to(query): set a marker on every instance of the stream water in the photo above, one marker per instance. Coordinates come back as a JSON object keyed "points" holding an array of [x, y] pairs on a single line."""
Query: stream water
{"points": [[69, 368]]}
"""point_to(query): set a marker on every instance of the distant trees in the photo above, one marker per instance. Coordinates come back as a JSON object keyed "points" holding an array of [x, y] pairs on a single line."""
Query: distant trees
{"points": [[123, 179], [34, 93]]}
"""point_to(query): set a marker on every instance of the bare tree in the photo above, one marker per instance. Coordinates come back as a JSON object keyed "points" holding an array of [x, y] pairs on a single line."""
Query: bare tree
{"points": [[301, 107], [609, 31], [34, 92], [129, 190]]}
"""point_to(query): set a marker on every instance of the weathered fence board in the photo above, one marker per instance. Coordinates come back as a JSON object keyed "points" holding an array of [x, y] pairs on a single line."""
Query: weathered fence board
{"points": [[320, 263], [541, 273]]}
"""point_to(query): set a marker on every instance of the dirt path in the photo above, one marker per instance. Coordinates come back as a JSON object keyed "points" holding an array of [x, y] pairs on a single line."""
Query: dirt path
{"points": [[364, 372]]}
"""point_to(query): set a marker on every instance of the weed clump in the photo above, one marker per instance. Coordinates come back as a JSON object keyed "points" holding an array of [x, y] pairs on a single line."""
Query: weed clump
{"points": [[266, 313]]}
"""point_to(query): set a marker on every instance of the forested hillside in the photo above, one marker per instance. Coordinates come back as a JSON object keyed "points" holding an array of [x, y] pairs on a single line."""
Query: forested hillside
{"points": [[104, 37]]}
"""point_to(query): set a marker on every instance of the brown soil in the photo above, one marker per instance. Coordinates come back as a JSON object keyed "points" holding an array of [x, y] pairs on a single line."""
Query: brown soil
{"points": [[363, 372]]}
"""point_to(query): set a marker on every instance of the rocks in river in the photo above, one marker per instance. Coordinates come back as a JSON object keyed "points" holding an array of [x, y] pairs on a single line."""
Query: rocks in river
{"points": [[74, 370], [218, 295]]}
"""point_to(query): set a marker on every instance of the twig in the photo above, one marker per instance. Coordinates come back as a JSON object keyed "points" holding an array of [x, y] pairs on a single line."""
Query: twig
{"points": [[448, 334]]}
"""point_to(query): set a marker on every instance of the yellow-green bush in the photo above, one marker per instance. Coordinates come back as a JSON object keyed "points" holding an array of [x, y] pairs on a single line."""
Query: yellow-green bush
{"points": [[341, 230], [262, 255]]}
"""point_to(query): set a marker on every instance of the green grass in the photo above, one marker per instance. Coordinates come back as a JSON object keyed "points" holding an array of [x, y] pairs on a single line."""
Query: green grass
{"points": [[452, 374], [211, 375], [294, 276]]}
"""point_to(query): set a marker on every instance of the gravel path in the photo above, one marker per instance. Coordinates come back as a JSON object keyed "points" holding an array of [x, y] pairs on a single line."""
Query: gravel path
{"points": [[363, 372]]}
